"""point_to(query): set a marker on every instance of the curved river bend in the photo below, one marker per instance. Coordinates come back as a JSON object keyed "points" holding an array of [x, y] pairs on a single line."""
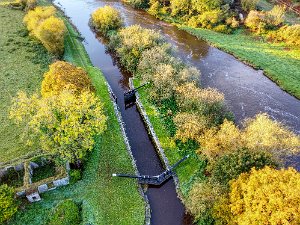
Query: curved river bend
{"points": [[247, 92]]}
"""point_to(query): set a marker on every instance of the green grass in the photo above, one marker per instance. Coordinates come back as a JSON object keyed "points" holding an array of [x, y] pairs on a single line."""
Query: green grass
{"points": [[280, 64], [188, 171], [22, 64], [105, 200]]}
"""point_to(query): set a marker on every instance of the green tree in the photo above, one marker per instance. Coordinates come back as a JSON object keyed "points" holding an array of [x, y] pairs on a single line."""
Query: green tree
{"points": [[8, 204], [63, 124]]}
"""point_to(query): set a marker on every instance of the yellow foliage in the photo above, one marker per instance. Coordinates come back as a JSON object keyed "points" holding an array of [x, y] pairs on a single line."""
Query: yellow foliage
{"points": [[106, 18], [34, 17], [63, 124], [63, 75], [266, 196], [189, 126], [51, 32], [216, 142], [263, 133]]}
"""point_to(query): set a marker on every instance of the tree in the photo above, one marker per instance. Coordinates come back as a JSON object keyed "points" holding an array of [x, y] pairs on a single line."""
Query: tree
{"points": [[265, 196], [248, 5], [180, 7], [63, 75], [51, 32], [106, 19], [8, 204], [63, 124], [130, 42]]}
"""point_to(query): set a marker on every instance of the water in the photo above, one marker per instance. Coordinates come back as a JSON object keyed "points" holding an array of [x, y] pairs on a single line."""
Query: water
{"points": [[247, 92]]}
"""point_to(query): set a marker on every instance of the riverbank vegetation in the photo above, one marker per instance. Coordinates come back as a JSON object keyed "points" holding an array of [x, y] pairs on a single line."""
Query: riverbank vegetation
{"points": [[263, 39], [106, 152], [193, 120]]}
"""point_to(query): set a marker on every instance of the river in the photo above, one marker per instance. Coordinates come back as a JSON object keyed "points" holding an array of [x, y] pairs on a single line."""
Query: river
{"points": [[247, 92]]}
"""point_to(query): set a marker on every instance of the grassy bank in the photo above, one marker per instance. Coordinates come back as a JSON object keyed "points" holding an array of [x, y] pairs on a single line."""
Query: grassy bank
{"points": [[105, 200], [280, 63], [22, 64], [189, 171]]}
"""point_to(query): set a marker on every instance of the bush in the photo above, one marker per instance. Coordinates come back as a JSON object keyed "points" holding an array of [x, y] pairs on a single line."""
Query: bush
{"points": [[222, 29], [139, 4], [180, 7], [27, 4], [51, 32], [130, 42], [207, 102], [256, 21], [106, 19], [261, 132], [75, 175], [289, 34], [35, 17], [210, 19], [63, 75], [275, 17], [202, 6], [232, 22], [248, 5], [8, 204], [216, 142], [230, 166], [65, 213], [202, 197], [265, 196], [189, 126]]}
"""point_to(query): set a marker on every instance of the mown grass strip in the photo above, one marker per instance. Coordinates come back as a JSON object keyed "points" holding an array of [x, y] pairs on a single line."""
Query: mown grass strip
{"points": [[104, 200]]}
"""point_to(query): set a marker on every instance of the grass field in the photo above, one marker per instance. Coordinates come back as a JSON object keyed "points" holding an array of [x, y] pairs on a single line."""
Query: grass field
{"points": [[22, 64], [104, 200], [279, 62]]}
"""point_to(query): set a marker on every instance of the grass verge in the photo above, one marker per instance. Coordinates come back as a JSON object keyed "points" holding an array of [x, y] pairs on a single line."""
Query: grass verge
{"points": [[280, 63], [104, 200], [22, 65]]}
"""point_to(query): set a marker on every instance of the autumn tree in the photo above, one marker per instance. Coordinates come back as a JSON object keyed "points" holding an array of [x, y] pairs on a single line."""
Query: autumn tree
{"points": [[265, 196], [63, 75], [63, 124], [8, 204], [106, 19], [51, 32]]}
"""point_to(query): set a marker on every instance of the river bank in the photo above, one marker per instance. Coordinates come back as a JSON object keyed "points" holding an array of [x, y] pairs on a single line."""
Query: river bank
{"points": [[109, 155]]}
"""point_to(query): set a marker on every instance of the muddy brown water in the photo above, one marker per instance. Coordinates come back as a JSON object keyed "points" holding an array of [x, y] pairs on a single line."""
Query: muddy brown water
{"points": [[247, 92]]}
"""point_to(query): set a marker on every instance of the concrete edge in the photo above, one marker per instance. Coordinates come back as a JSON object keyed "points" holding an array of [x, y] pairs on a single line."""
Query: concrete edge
{"points": [[153, 136], [128, 147]]}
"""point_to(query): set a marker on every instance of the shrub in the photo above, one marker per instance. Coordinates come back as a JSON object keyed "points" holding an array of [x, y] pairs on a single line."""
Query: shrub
{"points": [[275, 16], [63, 124], [222, 29], [256, 21], [139, 4], [216, 142], [63, 75], [75, 175], [27, 4], [202, 6], [248, 5], [230, 166], [263, 133], [265, 196], [180, 7], [8, 204], [232, 22], [209, 19], [207, 102], [154, 9], [289, 34], [106, 19], [202, 197], [65, 213], [51, 32], [130, 42], [189, 126]]}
